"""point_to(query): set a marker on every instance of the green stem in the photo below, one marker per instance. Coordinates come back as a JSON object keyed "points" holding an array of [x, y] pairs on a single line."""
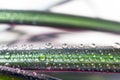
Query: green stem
{"points": [[92, 59], [56, 20]]}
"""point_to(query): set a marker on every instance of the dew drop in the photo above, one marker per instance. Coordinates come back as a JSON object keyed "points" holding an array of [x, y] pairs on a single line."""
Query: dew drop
{"points": [[101, 69], [23, 72], [24, 46], [30, 46], [101, 53], [7, 53], [81, 59], [68, 67], [42, 57], [17, 70], [93, 45], [107, 65], [77, 66], [59, 64], [102, 60], [55, 66], [48, 45], [114, 70], [51, 59], [116, 60], [7, 56], [30, 55], [64, 45], [116, 45], [69, 55], [74, 47], [46, 63], [81, 45], [94, 55], [34, 73], [92, 64], [6, 64], [111, 56]]}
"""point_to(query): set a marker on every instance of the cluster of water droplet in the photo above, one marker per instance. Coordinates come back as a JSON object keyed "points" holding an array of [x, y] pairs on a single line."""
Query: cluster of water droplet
{"points": [[65, 58]]}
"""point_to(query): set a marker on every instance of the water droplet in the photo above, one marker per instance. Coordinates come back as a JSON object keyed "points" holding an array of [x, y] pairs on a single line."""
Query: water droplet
{"points": [[34, 73], [48, 45], [51, 59], [107, 65], [116, 60], [68, 67], [7, 56], [64, 45], [24, 46], [81, 45], [101, 69], [94, 55], [116, 45], [59, 64], [69, 55], [74, 47], [81, 59], [55, 66], [46, 63], [89, 69], [30, 46], [17, 70], [101, 53], [93, 45], [102, 60], [114, 66], [6, 64], [92, 64], [42, 57], [7, 53], [30, 55], [23, 72], [77, 66], [111, 56]]}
